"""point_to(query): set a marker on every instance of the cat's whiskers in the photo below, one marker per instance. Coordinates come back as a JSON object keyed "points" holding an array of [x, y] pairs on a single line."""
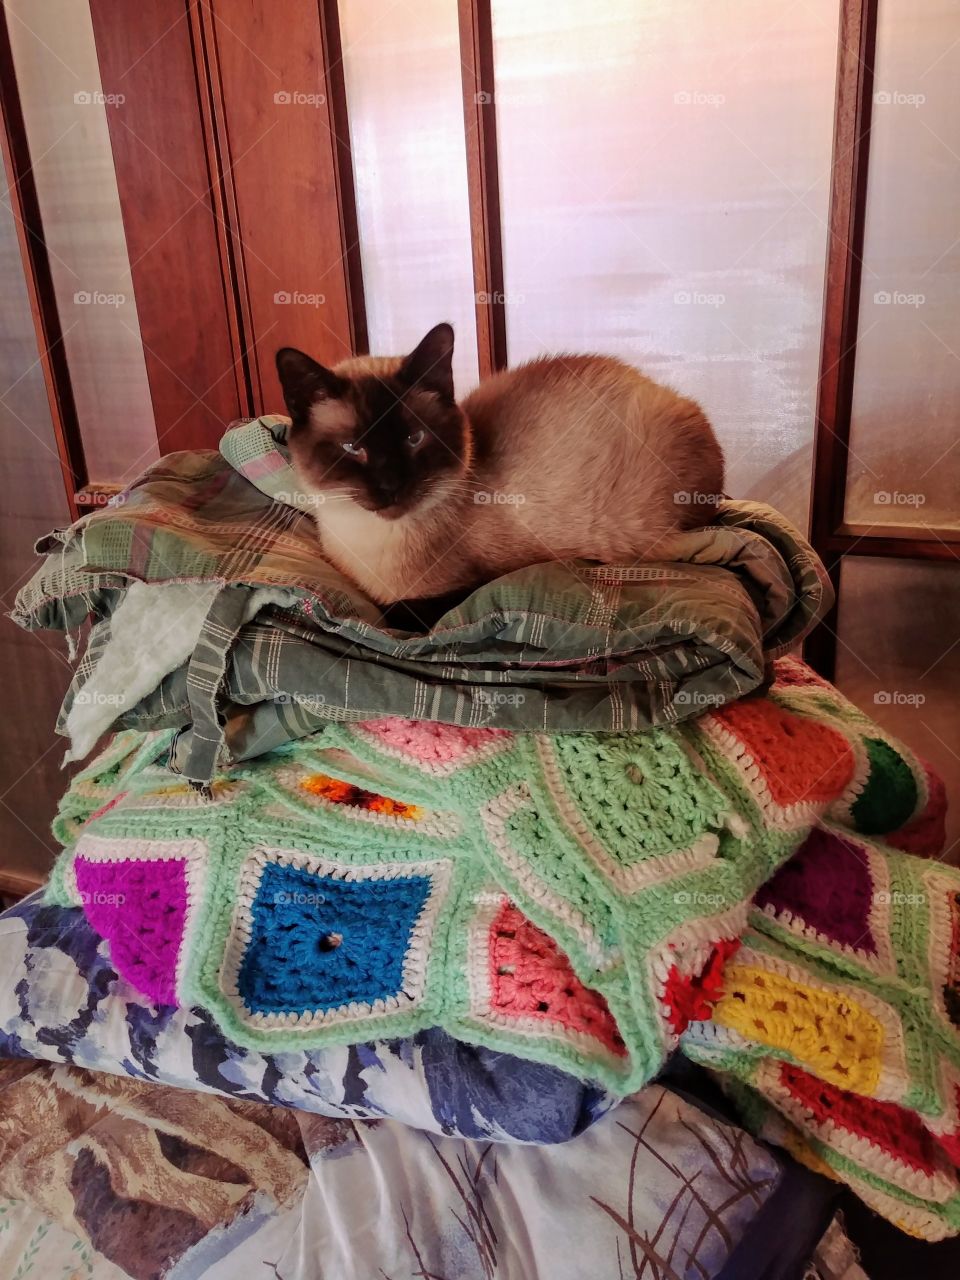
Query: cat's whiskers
{"points": [[460, 486]]}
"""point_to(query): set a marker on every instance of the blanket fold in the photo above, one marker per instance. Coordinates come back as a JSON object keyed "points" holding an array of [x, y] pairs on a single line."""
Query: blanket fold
{"points": [[588, 901], [556, 648]]}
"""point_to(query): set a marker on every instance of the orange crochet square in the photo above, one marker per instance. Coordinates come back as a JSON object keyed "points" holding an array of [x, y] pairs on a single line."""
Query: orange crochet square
{"points": [[800, 760]]}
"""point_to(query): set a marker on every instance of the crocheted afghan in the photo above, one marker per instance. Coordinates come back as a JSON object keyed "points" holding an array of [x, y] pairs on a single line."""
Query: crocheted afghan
{"points": [[579, 899]]}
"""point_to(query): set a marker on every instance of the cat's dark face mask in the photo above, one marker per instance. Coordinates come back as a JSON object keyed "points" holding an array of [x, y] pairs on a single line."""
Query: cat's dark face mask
{"points": [[388, 441]]}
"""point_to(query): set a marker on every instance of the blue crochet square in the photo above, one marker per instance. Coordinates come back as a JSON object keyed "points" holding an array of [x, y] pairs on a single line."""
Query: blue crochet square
{"points": [[319, 942]]}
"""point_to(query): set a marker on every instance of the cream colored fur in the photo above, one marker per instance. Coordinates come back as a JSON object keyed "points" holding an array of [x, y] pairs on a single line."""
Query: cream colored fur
{"points": [[572, 456]]}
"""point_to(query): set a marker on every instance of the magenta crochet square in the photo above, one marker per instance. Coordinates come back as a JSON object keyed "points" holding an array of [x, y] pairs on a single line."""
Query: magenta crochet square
{"points": [[827, 884], [140, 907]]}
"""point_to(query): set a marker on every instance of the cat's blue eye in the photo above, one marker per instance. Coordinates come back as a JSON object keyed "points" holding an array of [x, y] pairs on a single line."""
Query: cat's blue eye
{"points": [[416, 438], [355, 450]]}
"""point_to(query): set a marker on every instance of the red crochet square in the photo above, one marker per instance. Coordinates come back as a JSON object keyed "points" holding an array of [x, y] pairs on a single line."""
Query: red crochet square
{"points": [[530, 977], [895, 1130]]}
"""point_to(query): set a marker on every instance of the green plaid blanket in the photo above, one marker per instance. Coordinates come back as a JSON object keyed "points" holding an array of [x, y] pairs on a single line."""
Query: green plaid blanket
{"points": [[555, 648]]}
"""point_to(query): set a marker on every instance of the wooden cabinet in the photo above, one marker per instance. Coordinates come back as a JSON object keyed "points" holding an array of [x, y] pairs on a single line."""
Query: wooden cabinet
{"points": [[195, 184]]}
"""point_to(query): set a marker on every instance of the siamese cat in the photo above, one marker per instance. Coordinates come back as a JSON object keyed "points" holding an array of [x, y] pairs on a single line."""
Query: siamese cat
{"points": [[567, 457]]}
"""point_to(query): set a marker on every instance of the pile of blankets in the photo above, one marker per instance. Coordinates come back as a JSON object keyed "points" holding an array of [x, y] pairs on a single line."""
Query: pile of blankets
{"points": [[594, 814]]}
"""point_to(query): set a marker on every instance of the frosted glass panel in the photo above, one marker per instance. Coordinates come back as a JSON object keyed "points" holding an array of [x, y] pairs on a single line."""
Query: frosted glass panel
{"points": [[402, 70], [33, 668], [905, 435], [899, 658], [65, 115], [665, 169]]}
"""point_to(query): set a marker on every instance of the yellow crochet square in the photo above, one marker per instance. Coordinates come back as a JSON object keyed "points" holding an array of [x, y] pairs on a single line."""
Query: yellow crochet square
{"points": [[837, 1039]]}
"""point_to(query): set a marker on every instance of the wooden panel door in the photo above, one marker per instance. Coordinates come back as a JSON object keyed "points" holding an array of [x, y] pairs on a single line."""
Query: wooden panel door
{"points": [[278, 113], [167, 186], [233, 170]]}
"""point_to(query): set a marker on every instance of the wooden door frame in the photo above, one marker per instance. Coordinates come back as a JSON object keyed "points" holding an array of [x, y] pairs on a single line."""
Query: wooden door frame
{"points": [[832, 535], [483, 181]]}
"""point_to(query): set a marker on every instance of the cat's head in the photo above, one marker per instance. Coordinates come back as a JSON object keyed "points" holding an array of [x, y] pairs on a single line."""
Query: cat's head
{"points": [[387, 433]]}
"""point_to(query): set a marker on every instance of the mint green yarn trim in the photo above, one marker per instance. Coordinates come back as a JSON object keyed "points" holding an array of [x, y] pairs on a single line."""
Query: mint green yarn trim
{"points": [[947, 1211], [55, 891]]}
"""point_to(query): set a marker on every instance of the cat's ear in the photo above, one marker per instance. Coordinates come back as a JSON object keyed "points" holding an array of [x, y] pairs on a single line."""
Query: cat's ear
{"points": [[304, 381], [430, 364]]}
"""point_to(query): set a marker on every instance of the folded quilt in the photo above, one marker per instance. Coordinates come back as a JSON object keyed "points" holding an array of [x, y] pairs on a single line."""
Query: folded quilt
{"points": [[577, 899], [838, 1031], [285, 644]]}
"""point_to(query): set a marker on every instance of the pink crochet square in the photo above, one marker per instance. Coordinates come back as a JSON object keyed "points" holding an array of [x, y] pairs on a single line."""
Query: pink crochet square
{"points": [[530, 977], [430, 743]]}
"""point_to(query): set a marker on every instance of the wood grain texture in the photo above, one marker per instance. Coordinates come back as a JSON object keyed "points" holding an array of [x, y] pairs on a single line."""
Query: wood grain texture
{"points": [[280, 107], [186, 308], [480, 134], [900, 543], [16, 885], [841, 303]]}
